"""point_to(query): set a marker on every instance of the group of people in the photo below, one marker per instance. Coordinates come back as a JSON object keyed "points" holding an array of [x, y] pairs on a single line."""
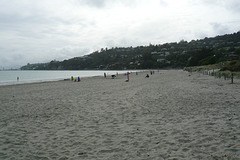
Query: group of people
{"points": [[127, 75], [113, 76], [151, 72], [116, 75], [76, 79]]}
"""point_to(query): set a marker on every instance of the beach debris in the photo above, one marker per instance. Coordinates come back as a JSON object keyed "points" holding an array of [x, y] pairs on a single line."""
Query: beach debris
{"points": [[82, 153]]}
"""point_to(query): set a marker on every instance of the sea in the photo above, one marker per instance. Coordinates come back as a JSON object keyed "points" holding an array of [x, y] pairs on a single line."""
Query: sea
{"points": [[10, 77]]}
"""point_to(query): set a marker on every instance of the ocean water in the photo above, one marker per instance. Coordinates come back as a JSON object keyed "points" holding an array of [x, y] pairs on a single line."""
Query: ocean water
{"points": [[10, 77]]}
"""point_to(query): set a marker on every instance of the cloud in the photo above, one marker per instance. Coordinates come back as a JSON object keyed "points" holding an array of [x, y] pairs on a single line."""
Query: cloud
{"points": [[229, 5], [7, 61], [70, 51], [233, 5], [220, 28], [40, 31], [94, 3]]}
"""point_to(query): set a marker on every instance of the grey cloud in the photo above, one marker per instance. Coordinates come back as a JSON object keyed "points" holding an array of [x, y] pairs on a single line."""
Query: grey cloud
{"points": [[230, 5], [38, 26], [15, 22], [233, 5], [60, 29], [37, 13], [94, 3], [15, 19], [163, 3], [220, 28], [11, 61], [129, 3], [17, 57], [104, 3], [4, 62]]}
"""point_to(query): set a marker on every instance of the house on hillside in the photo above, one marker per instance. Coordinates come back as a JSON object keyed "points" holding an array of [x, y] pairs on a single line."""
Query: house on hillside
{"points": [[163, 61], [167, 54]]}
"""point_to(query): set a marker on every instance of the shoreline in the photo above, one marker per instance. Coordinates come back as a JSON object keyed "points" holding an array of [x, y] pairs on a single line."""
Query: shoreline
{"points": [[20, 82], [171, 115], [236, 80], [29, 81]]}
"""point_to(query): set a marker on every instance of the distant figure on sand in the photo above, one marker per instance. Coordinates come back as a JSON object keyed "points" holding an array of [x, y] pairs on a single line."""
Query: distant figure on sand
{"points": [[105, 75], [127, 77], [147, 76], [72, 78], [78, 79]]}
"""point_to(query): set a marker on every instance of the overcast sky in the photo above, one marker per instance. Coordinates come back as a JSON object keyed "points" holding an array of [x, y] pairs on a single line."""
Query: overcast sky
{"points": [[34, 31]]}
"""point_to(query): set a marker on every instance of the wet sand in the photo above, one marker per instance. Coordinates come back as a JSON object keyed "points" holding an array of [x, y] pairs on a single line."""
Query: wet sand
{"points": [[170, 115]]}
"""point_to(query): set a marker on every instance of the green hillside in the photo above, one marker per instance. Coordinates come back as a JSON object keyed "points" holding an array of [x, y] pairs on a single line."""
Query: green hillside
{"points": [[169, 55]]}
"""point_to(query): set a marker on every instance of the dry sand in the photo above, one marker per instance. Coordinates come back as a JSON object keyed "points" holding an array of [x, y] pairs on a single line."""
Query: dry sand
{"points": [[171, 115]]}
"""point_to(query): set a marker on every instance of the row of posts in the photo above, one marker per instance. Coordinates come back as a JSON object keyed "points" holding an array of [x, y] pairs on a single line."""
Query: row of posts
{"points": [[226, 76]]}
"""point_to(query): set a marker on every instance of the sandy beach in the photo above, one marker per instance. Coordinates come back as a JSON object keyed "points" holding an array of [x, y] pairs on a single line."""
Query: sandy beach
{"points": [[171, 115]]}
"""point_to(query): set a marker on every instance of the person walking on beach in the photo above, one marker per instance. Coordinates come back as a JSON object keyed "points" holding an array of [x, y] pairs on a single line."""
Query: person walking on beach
{"points": [[127, 76], [78, 79], [105, 75]]}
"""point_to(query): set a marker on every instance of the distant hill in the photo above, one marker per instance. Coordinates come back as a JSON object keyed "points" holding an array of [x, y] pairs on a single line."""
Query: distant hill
{"points": [[171, 55]]}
